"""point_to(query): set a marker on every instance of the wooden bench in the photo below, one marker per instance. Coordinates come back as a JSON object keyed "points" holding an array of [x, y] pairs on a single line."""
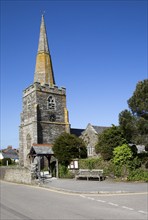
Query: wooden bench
{"points": [[86, 173]]}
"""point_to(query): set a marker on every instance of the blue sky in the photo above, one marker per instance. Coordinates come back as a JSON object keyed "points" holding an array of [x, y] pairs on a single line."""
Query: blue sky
{"points": [[98, 49]]}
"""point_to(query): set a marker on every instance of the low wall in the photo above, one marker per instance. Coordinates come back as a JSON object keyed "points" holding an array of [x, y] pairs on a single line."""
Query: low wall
{"points": [[15, 174]]}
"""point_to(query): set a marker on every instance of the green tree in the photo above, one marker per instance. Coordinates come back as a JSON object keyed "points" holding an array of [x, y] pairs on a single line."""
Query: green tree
{"points": [[68, 147], [108, 140], [138, 103], [128, 125], [134, 123]]}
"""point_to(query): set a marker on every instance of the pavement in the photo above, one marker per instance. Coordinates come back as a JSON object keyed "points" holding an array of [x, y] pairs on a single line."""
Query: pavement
{"points": [[95, 187]]}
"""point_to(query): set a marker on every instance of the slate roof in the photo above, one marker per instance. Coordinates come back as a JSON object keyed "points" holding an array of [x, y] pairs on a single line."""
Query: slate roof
{"points": [[76, 131], [41, 149], [12, 154], [99, 129]]}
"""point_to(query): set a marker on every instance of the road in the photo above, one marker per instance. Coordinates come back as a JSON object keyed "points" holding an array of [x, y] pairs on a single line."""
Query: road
{"points": [[30, 202]]}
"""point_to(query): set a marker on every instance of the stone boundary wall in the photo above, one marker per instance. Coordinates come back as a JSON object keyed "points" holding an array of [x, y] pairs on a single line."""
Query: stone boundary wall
{"points": [[15, 174]]}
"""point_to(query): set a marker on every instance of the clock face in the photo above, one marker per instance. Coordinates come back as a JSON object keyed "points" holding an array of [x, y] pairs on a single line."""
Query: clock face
{"points": [[52, 117]]}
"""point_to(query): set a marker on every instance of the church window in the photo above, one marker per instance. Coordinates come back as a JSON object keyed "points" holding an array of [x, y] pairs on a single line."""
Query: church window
{"points": [[28, 139], [51, 105], [90, 150]]}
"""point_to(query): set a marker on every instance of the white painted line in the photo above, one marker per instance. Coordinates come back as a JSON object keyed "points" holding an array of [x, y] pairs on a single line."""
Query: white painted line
{"points": [[114, 204], [83, 196], [125, 207], [100, 200], [143, 212], [90, 198]]}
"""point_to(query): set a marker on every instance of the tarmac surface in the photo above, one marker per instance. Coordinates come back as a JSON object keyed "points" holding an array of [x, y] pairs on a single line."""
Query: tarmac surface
{"points": [[93, 187]]}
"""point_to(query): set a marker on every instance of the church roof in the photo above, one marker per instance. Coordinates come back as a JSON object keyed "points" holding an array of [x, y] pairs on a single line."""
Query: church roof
{"points": [[99, 129], [76, 131]]}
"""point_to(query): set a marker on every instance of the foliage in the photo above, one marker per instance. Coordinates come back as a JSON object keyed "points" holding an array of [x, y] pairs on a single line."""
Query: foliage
{"points": [[68, 147], [137, 175], [122, 154], [133, 149], [143, 158], [4, 161], [128, 125], [134, 123], [138, 103], [146, 164], [91, 163], [97, 163], [125, 160], [64, 172], [108, 140], [146, 147]]}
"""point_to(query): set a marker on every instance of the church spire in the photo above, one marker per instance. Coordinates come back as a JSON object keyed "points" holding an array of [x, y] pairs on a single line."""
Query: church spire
{"points": [[43, 70]]}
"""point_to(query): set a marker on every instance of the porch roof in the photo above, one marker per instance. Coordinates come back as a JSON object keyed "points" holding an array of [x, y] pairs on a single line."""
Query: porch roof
{"points": [[41, 149]]}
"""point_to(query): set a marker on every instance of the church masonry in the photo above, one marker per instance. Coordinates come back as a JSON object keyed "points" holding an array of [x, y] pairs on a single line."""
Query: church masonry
{"points": [[44, 116]]}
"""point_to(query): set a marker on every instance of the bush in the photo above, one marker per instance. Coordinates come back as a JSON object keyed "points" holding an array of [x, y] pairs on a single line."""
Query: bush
{"points": [[64, 172], [146, 165], [4, 161], [137, 175], [97, 163], [91, 163]]}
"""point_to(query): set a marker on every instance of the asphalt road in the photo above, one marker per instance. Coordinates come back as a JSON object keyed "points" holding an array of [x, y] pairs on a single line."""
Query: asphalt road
{"points": [[29, 202]]}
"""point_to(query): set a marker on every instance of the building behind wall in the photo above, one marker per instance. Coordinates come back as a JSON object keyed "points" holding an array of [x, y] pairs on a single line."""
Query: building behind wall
{"points": [[44, 116]]}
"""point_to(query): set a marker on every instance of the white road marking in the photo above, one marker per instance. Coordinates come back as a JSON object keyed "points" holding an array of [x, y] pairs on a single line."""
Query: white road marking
{"points": [[114, 204], [83, 196], [98, 200], [90, 198], [143, 212], [125, 207]]}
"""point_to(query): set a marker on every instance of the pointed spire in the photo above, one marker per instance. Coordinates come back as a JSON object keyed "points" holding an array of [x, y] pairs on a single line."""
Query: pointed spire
{"points": [[43, 42], [43, 70]]}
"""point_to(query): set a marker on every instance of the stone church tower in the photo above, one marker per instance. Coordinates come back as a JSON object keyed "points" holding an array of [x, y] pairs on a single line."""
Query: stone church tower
{"points": [[44, 116]]}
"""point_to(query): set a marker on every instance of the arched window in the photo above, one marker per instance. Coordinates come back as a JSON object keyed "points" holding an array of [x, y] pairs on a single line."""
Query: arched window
{"points": [[51, 105], [28, 139]]}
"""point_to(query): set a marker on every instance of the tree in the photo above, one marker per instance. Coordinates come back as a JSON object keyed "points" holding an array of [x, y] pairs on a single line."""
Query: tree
{"points": [[134, 123], [68, 147], [138, 103], [128, 125], [108, 140]]}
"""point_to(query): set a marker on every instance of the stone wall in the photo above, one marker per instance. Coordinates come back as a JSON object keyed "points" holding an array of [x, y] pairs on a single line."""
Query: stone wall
{"points": [[17, 175]]}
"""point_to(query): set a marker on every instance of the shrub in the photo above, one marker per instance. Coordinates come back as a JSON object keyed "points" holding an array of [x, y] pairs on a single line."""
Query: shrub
{"points": [[97, 163], [64, 172], [4, 161], [91, 163], [138, 174], [146, 165]]}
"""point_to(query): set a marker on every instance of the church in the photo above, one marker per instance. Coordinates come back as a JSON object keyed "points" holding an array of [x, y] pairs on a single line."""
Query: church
{"points": [[44, 115]]}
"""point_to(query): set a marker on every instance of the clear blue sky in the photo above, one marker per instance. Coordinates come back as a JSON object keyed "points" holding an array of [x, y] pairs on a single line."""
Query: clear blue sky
{"points": [[98, 49]]}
